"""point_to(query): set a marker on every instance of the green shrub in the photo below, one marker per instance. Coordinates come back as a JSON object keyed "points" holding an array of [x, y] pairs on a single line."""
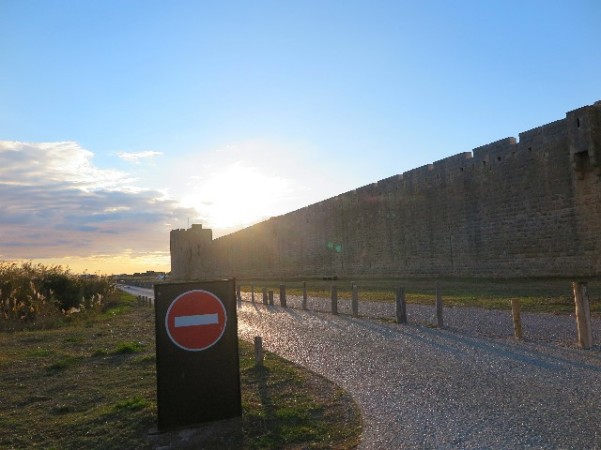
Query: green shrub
{"points": [[128, 347], [133, 404]]}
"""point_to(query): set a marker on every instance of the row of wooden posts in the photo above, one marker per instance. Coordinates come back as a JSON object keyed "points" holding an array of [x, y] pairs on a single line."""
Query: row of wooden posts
{"points": [[144, 300], [581, 300], [268, 297], [582, 312], [400, 310]]}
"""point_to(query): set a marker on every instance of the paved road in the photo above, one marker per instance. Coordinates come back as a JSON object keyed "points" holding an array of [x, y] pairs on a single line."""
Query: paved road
{"points": [[420, 387], [135, 290], [467, 387]]}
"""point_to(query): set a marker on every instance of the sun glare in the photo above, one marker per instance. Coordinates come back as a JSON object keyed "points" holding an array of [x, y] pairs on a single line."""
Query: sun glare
{"points": [[236, 197]]}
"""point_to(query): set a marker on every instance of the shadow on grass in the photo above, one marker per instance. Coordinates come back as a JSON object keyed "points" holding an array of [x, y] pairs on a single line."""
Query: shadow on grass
{"points": [[261, 421]]}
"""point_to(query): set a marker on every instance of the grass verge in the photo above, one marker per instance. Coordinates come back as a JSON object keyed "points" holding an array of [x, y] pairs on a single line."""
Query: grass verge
{"points": [[91, 383]]}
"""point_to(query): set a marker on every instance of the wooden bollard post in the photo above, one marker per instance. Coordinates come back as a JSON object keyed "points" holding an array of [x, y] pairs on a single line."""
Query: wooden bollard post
{"points": [[304, 295], [355, 300], [583, 314], [238, 293], [334, 292], [440, 322], [283, 295], [252, 293], [264, 296], [271, 297], [517, 318], [401, 306], [259, 355]]}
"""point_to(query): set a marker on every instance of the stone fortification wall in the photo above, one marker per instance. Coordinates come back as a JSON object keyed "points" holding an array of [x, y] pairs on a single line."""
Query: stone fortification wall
{"points": [[508, 209]]}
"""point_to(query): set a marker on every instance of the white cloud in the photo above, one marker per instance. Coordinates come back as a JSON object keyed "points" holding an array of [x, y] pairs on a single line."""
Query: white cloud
{"points": [[55, 162], [136, 157], [56, 203]]}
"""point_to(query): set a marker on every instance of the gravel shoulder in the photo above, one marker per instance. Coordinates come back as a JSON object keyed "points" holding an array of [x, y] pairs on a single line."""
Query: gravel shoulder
{"points": [[467, 386]]}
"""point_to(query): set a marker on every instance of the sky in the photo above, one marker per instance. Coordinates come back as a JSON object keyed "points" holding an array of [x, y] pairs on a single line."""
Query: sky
{"points": [[121, 120]]}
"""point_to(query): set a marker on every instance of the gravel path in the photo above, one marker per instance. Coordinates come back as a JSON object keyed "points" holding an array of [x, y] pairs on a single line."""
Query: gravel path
{"points": [[468, 386]]}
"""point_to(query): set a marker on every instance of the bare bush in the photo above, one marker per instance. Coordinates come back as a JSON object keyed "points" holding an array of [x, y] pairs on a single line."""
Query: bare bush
{"points": [[27, 290]]}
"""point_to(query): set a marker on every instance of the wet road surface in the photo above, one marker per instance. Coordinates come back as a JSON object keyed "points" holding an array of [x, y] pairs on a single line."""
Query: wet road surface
{"points": [[421, 387]]}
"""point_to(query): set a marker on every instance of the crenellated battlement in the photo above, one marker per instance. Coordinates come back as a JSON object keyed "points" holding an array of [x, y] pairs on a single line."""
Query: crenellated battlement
{"points": [[514, 207]]}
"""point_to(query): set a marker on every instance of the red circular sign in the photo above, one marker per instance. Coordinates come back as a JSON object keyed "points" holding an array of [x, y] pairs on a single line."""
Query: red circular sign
{"points": [[196, 320]]}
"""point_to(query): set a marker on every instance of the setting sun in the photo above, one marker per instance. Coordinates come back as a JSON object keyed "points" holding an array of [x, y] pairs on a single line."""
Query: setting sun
{"points": [[237, 196]]}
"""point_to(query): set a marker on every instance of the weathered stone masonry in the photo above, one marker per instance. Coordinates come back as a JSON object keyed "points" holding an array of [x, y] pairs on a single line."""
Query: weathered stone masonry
{"points": [[508, 209]]}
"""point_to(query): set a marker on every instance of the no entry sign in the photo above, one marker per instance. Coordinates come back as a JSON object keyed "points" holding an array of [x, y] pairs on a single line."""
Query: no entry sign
{"points": [[198, 375], [196, 320]]}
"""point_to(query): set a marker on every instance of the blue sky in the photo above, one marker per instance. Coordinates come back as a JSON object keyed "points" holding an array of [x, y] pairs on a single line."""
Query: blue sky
{"points": [[226, 113]]}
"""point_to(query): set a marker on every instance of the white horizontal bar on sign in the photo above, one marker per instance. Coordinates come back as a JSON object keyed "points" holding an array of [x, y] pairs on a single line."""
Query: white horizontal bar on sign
{"points": [[191, 321]]}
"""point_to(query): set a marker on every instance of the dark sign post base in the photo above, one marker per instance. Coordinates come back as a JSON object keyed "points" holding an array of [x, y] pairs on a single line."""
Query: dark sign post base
{"points": [[198, 374]]}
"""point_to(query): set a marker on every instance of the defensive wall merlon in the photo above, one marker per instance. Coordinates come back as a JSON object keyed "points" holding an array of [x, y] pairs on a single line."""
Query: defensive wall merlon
{"points": [[515, 207]]}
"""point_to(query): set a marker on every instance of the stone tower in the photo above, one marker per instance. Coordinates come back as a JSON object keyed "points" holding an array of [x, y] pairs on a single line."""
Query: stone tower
{"points": [[191, 253]]}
